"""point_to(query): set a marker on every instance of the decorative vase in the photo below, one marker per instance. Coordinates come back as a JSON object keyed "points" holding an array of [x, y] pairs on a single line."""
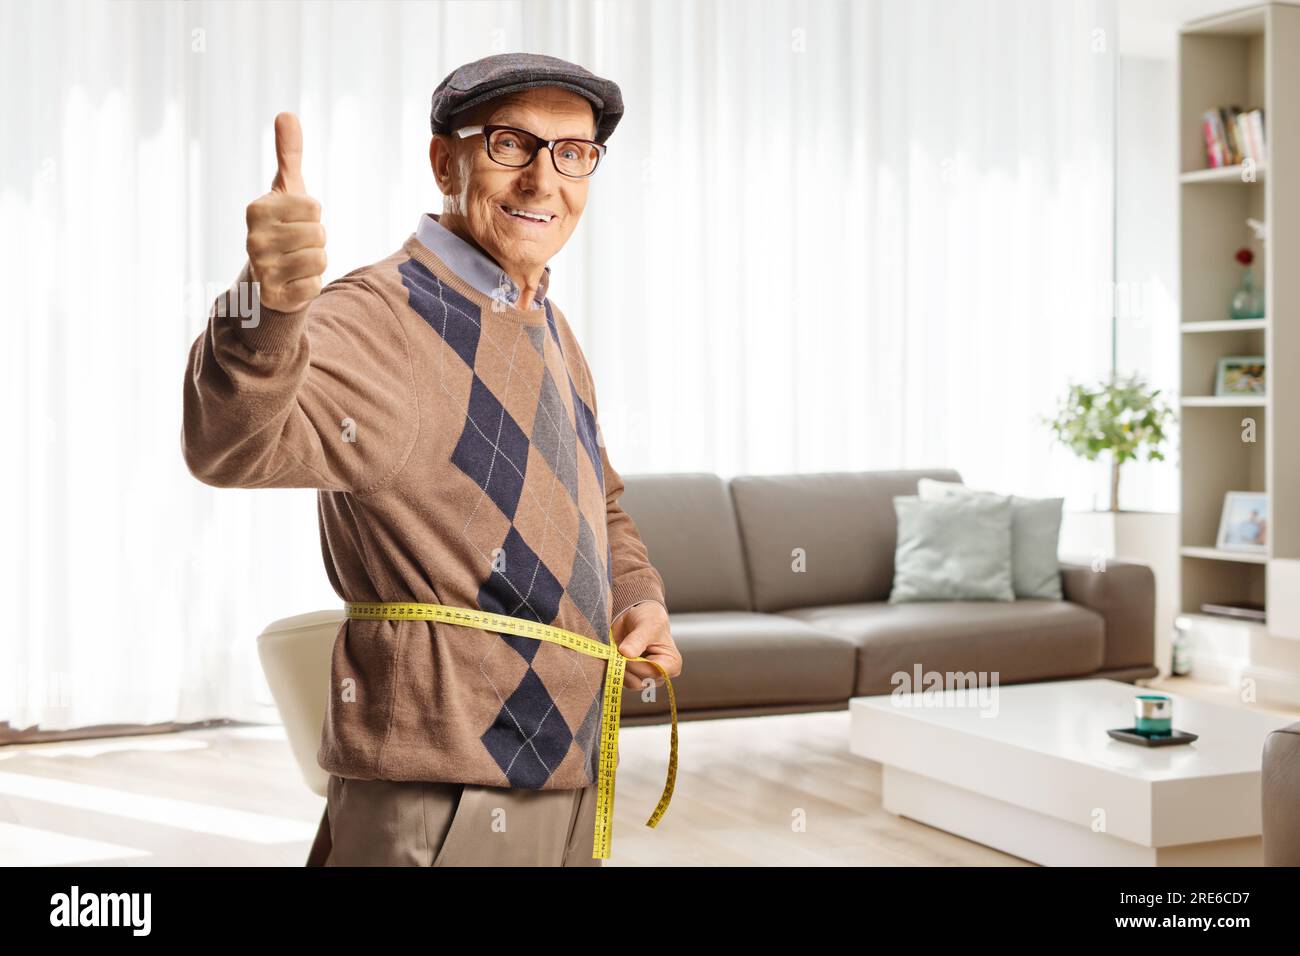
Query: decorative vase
{"points": [[1247, 301], [1181, 664]]}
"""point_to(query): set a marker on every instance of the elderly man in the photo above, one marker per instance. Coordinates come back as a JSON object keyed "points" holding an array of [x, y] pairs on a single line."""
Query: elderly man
{"points": [[439, 401]]}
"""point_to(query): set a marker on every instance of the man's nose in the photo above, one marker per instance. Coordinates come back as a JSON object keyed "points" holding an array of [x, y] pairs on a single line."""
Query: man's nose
{"points": [[540, 175]]}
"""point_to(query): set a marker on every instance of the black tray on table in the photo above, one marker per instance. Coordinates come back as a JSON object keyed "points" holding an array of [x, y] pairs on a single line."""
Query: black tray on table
{"points": [[1130, 735]]}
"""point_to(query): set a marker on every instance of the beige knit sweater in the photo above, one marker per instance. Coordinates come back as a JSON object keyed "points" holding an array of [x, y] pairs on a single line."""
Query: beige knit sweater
{"points": [[455, 446]]}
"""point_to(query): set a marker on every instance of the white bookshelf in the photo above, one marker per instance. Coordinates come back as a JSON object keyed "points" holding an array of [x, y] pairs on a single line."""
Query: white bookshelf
{"points": [[1227, 325], [1223, 174], [1216, 554], [1224, 401], [1249, 58]]}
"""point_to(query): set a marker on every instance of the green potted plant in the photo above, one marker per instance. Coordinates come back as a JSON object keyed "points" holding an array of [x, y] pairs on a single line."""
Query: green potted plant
{"points": [[1122, 418]]}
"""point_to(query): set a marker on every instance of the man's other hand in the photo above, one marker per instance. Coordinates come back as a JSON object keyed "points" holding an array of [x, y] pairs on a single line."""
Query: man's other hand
{"points": [[642, 631]]}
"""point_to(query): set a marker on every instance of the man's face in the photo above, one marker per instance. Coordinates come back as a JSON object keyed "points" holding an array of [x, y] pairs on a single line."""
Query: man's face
{"points": [[482, 191]]}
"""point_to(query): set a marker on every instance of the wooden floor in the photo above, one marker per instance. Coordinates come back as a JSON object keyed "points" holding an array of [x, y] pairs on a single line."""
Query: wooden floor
{"points": [[763, 791]]}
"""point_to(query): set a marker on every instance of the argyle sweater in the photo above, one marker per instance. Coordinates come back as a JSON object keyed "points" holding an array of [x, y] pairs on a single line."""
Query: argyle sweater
{"points": [[455, 444]]}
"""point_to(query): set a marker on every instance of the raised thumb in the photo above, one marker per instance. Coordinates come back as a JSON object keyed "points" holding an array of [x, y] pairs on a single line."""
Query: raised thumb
{"points": [[288, 155]]}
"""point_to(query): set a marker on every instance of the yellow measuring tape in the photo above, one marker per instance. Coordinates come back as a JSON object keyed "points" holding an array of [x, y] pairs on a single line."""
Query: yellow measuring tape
{"points": [[486, 620]]}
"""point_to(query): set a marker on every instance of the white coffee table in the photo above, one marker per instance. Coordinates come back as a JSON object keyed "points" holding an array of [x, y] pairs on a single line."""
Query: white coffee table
{"points": [[1038, 777]]}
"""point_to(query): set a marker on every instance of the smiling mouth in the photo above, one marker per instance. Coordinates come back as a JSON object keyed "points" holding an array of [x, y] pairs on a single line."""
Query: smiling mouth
{"points": [[533, 217]]}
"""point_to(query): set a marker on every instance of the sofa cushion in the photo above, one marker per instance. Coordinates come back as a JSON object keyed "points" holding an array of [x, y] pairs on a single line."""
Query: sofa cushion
{"points": [[689, 528], [1020, 640], [843, 522], [1035, 536], [956, 548], [742, 659]]}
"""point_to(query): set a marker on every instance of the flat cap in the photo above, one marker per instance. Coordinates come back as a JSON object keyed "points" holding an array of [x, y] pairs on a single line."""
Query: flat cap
{"points": [[492, 76]]}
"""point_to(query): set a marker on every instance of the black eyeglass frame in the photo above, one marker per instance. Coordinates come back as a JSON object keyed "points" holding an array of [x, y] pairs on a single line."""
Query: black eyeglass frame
{"points": [[548, 145]]}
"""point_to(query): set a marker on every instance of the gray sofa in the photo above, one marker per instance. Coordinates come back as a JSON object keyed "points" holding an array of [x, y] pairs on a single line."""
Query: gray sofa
{"points": [[1280, 795], [757, 637]]}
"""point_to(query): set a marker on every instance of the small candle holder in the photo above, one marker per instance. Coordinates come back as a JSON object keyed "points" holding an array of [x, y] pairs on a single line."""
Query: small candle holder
{"points": [[1153, 724], [1154, 713]]}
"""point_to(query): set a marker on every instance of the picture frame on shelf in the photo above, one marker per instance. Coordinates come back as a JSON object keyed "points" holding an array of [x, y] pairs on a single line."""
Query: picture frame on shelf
{"points": [[1243, 524], [1238, 375]]}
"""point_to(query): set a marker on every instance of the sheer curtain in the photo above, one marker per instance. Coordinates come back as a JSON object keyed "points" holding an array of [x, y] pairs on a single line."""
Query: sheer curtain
{"points": [[828, 236]]}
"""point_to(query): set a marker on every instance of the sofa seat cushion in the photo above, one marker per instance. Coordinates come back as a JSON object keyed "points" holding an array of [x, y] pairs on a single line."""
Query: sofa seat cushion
{"points": [[1021, 640], [744, 659]]}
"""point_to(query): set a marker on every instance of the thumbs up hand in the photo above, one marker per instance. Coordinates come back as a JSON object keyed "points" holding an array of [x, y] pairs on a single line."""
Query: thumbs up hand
{"points": [[286, 241]]}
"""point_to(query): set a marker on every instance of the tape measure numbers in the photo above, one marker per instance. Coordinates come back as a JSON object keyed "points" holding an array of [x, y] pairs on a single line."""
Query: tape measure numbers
{"points": [[613, 693]]}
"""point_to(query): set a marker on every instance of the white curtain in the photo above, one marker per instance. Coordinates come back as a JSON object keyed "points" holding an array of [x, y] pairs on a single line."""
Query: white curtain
{"points": [[828, 236]]}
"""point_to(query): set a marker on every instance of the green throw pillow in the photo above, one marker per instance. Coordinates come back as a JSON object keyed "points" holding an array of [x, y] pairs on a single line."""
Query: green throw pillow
{"points": [[956, 548], [1035, 538]]}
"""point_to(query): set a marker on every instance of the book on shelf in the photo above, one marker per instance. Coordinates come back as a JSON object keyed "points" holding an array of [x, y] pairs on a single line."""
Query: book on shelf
{"points": [[1243, 610], [1233, 136]]}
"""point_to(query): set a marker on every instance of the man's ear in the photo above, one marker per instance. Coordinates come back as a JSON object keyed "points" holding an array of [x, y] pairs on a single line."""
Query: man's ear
{"points": [[440, 161]]}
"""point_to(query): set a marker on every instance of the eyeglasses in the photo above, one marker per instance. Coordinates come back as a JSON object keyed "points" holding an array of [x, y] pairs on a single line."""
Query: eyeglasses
{"points": [[510, 146]]}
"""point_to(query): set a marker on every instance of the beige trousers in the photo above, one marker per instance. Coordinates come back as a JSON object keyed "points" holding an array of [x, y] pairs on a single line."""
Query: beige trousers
{"points": [[417, 823]]}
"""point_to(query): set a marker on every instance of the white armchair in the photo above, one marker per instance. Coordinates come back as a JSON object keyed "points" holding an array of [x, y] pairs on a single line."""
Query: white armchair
{"points": [[295, 654]]}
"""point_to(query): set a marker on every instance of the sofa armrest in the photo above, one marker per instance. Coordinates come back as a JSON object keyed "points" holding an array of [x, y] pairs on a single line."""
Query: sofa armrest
{"points": [[1280, 797], [1124, 594]]}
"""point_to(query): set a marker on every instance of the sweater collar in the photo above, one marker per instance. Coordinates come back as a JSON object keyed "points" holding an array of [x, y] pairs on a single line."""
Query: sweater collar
{"points": [[473, 265]]}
